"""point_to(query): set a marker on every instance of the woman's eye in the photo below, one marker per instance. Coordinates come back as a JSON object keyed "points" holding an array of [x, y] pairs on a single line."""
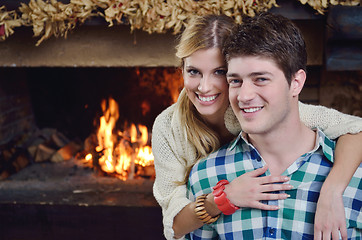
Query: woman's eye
{"points": [[192, 72]]}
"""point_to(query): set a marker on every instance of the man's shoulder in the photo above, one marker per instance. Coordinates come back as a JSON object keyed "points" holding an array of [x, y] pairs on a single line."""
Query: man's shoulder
{"points": [[221, 164], [328, 146], [212, 159]]}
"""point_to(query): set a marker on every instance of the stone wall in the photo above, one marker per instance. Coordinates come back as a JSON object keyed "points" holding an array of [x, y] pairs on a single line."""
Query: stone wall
{"points": [[16, 115]]}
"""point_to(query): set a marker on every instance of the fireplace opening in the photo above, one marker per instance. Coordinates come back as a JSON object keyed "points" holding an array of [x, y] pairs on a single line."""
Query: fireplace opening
{"points": [[50, 121], [69, 99]]}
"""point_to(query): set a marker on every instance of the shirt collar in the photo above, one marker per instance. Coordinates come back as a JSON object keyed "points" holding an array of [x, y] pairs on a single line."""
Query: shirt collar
{"points": [[242, 138], [322, 141], [327, 145]]}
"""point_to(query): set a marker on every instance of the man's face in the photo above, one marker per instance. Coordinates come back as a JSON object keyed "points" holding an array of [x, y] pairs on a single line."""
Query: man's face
{"points": [[259, 94]]}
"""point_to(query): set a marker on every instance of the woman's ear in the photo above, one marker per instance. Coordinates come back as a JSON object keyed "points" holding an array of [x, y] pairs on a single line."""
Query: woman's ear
{"points": [[297, 83]]}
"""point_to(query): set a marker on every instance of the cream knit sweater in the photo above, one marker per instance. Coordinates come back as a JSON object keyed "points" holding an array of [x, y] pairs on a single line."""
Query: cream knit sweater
{"points": [[174, 154]]}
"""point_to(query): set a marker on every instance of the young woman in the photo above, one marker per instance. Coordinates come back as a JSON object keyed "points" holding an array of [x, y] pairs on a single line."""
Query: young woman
{"points": [[202, 120]]}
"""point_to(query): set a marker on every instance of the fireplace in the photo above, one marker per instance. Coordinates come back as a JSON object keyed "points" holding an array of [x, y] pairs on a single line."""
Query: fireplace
{"points": [[74, 101], [50, 200], [59, 86]]}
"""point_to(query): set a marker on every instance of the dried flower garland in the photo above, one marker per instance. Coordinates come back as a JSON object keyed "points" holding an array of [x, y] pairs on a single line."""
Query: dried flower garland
{"points": [[8, 21], [321, 5], [52, 18]]}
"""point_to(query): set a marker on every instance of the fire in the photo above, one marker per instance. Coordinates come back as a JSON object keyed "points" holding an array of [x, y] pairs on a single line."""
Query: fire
{"points": [[120, 152], [170, 83]]}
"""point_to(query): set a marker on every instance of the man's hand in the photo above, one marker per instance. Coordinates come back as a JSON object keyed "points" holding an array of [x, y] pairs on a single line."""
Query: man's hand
{"points": [[249, 189], [330, 217]]}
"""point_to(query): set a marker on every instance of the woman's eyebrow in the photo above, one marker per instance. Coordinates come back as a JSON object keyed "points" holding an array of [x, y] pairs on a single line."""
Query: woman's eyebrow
{"points": [[189, 66]]}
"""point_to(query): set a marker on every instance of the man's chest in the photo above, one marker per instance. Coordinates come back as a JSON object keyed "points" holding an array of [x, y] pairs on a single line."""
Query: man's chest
{"points": [[306, 173]]}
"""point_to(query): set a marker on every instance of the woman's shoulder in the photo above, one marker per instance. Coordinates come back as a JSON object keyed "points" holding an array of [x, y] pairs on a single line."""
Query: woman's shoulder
{"points": [[164, 119], [231, 122]]}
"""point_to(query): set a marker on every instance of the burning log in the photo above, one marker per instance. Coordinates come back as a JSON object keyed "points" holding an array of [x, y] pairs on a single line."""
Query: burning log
{"points": [[146, 172], [118, 153]]}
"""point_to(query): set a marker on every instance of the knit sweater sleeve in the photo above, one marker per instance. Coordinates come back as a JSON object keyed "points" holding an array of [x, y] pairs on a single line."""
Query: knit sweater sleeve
{"points": [[170, 170], [333, 123]]}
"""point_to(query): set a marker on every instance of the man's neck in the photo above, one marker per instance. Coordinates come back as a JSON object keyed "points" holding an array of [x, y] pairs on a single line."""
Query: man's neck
{"points": [[283, 145]]}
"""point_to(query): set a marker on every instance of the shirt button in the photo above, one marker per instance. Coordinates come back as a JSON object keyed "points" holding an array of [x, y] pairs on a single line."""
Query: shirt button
{"points": [[271, 231]]}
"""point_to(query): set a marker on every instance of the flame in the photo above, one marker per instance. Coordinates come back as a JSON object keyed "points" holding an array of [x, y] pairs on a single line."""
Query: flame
{"points": [[88, 157], [144, 156], [120, 151]]}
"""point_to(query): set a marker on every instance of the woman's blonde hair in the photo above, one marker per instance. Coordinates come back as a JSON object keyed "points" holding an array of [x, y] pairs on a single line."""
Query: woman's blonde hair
{"points": [[202, 32]]}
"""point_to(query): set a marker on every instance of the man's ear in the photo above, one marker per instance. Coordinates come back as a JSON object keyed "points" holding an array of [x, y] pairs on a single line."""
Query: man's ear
{"points": [[297, 83]]}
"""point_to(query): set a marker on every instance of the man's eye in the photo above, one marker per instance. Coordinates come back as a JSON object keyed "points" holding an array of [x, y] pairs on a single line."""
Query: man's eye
{"points": [[261, 79], [220, 72], [234, 82]]}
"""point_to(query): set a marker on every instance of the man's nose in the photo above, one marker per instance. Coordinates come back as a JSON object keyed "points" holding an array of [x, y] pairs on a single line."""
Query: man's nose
{"points": [[246, 92]]}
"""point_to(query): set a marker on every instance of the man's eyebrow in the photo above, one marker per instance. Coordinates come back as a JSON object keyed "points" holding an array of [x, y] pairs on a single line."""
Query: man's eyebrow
{"points": [[259, 73], [232, 75], [250, 74]]}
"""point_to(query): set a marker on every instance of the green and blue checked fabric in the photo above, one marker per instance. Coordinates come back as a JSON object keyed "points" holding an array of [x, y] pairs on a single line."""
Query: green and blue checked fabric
{"points": [[294, 219]]}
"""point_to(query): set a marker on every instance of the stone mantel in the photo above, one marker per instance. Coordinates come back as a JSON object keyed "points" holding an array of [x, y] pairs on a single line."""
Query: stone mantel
{"points": [[90, 46]]}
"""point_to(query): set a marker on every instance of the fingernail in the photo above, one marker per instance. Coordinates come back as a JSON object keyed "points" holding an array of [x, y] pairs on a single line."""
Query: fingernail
{"points": [[286, 179]]}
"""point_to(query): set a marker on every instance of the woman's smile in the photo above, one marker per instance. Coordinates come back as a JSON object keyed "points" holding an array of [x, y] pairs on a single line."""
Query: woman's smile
{"points": [[207, 99]]}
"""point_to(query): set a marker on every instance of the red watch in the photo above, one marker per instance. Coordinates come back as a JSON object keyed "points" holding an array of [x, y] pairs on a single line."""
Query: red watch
{"points": [[222, 202]]}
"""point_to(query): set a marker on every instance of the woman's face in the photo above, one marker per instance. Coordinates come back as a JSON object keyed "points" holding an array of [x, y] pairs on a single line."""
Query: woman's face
{"points": [[205, 82]]}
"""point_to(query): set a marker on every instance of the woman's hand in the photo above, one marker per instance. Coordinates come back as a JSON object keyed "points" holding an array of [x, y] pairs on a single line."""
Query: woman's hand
{"points": [[330, 217], [249, 189]]}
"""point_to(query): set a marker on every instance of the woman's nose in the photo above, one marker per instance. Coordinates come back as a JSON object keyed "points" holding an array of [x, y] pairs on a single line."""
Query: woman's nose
{"points": [[205, 84]]}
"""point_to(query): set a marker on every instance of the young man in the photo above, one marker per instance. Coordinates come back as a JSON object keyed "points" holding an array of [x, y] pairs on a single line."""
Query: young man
{"points": [[266, 58]]}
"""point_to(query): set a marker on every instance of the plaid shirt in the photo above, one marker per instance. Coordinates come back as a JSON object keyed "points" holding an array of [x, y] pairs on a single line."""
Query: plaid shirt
{"points": [[294, 219]]}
